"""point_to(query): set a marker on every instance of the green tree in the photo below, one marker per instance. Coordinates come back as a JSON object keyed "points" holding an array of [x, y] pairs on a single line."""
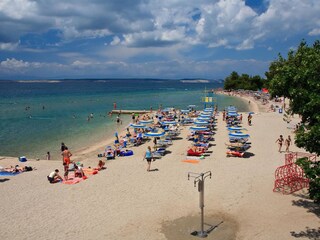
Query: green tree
{"points": [[235, 81], [231, 81], [298, 79]]}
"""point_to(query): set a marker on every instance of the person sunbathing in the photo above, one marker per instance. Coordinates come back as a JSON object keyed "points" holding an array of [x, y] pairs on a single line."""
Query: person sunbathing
{"points": [[197, 149], [100, 165]]}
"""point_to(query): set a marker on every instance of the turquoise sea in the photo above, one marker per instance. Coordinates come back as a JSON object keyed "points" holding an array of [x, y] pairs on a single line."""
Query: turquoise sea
{"points": [[36, 116]]}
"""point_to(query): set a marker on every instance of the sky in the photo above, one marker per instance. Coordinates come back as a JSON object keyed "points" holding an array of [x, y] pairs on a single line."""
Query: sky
{"points": [[54, 39]]}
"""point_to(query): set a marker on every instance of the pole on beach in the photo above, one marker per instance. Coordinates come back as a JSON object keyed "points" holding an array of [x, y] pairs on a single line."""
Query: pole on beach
{"points": [[199, 178]]}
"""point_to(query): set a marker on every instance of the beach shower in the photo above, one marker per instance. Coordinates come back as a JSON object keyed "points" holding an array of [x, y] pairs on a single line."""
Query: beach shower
{"points": [[199, 178]]}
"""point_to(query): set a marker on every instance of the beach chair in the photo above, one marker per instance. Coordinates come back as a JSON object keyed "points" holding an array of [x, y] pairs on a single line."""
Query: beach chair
{"points": [[235, 153], [159, 153], [191, 152], [110, 153]]}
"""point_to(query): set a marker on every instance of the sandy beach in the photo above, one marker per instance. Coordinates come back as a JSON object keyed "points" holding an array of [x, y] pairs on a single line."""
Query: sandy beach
{"points": [[127, 202]]}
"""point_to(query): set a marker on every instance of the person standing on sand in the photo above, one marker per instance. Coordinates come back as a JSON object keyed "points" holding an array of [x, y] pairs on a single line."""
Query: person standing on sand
{"points": [[48, 156], [280, 142], [148, 156], [63, 146], [240, 118], [287, 143], [66, 154], [249, 119], [133, 117]]}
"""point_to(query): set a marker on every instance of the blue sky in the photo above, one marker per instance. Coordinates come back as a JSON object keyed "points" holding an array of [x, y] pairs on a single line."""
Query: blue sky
{"points": [[47, 39]]}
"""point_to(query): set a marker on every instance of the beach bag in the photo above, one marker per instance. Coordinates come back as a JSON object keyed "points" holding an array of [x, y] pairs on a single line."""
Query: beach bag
{"points": [[28, 168]]}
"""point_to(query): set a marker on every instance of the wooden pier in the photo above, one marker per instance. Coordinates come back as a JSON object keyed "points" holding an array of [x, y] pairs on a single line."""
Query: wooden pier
{"points": [[116, 111]]}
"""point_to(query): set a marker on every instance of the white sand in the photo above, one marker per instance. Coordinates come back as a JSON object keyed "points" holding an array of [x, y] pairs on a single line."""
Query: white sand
{"points": [[127, 202]]}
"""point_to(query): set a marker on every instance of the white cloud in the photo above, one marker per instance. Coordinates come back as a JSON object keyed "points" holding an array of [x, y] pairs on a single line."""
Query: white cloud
{"points": [[159, 22], [8, 46], [160, 30], [314, 32], [14, 64], [18, 9], [116, 40], [167, 69]]}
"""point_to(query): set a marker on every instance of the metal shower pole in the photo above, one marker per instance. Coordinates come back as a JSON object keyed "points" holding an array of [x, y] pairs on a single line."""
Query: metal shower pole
{"points": [[199, 178]]}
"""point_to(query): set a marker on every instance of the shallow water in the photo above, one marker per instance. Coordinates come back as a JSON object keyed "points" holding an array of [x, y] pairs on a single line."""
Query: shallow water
{"points": [[35, 117]]}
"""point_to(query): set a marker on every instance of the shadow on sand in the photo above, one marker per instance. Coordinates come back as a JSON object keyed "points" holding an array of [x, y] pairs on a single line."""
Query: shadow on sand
{"points": [[307, 203], [4, 180], [309, 233]]}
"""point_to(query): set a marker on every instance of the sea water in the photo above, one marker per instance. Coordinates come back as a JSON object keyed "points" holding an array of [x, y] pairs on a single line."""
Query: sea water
{"points": [[36, 116]]}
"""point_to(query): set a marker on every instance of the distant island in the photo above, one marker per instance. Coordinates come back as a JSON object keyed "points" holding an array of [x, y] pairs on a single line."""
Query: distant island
{"points": [[195, 81]]}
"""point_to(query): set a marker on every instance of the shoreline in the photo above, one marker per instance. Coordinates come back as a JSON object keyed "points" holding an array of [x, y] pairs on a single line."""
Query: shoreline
{"points": [[125, 201], [87, 150]]}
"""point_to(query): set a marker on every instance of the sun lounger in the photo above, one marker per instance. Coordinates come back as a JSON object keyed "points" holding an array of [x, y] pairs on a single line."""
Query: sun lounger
{"points": [[235, 154], [190, 152]]}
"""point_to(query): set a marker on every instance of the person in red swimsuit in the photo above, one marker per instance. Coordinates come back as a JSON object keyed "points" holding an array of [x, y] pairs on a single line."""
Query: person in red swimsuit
{"points": [[66, 154]]}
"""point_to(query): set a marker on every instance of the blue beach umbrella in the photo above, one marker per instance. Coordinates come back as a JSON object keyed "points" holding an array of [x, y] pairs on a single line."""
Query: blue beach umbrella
{"points": [[232, 114], [201, 123], [203, 118], [154, 134], [239, 135], [230, 108], [236, 128], [198, 128], [185, 111], [138, 126], [206, 113], [146, 121], [169, 122], [232, 111]]}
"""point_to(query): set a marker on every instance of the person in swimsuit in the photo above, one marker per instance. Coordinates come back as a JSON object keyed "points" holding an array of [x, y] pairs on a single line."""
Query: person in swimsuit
{"points": [[148, 156], [288, 143], [100, 165], [280, 142], [66, 154], [249, 119]]}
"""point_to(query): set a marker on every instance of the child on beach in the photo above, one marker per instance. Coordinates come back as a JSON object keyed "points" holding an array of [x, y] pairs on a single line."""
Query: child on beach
{"points": [[148, 156], [287, 143], [280, 142], [48, 156]]}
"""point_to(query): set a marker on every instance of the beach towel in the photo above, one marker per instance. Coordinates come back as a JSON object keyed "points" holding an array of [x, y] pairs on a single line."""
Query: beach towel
{"points": [[71, 181], [190, 161], [89, 171], [9, 173]]}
